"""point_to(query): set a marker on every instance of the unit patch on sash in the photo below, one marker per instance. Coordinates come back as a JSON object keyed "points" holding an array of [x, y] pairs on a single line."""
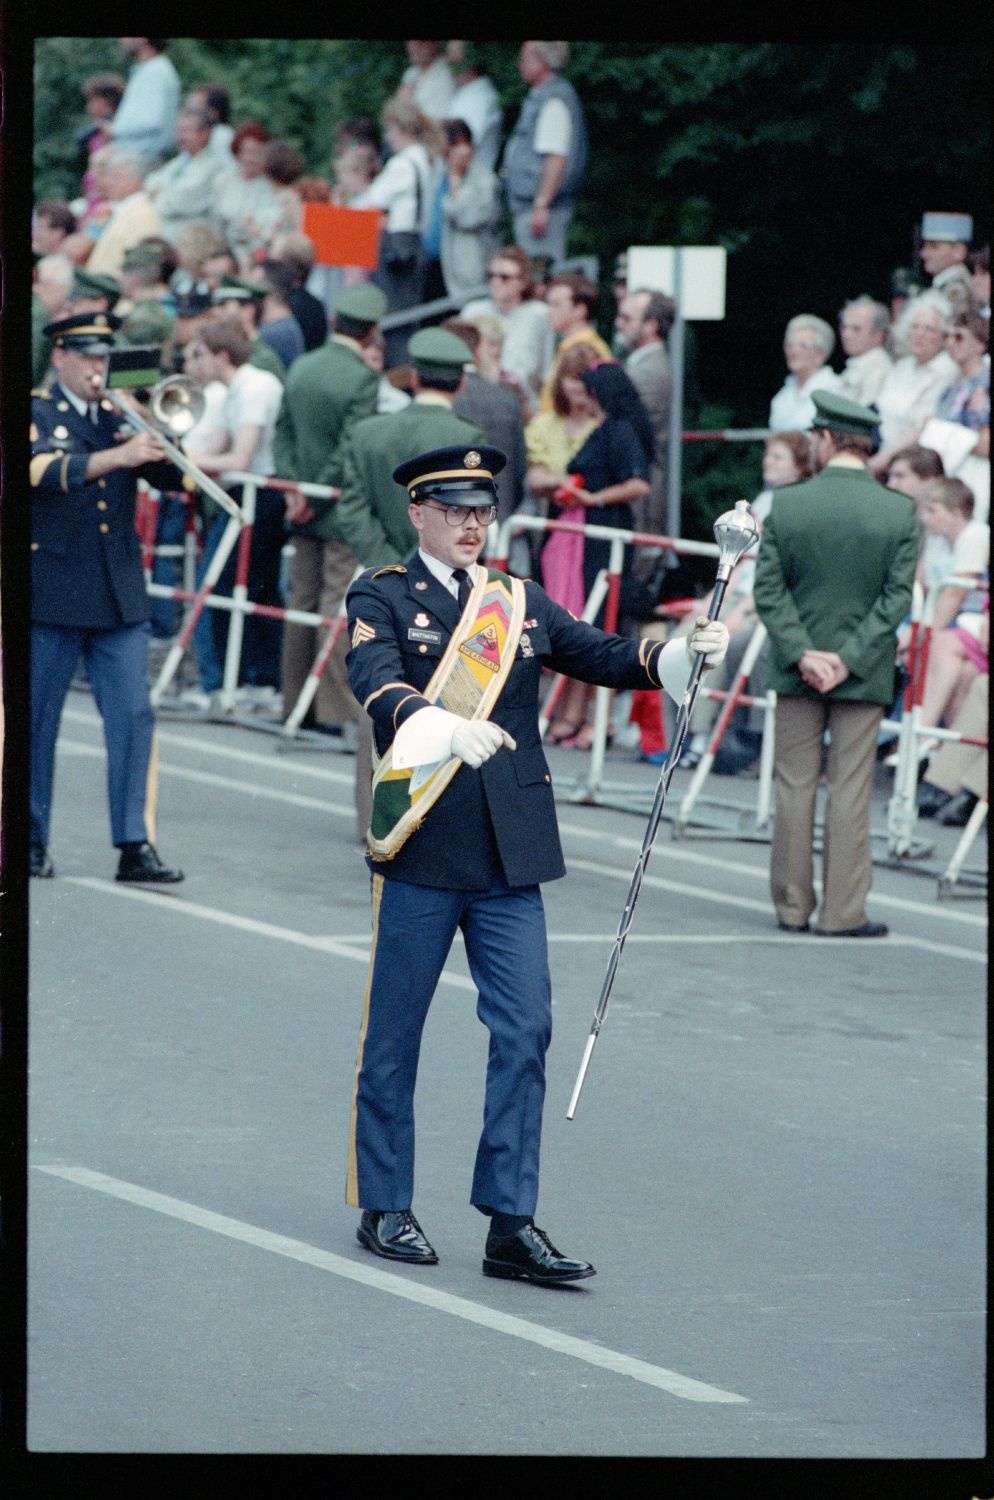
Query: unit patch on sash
{"points": [[483, 647], [362, 632]]}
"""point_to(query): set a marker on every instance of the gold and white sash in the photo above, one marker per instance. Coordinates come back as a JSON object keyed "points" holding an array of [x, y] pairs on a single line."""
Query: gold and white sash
{"points": [[467, 681]]}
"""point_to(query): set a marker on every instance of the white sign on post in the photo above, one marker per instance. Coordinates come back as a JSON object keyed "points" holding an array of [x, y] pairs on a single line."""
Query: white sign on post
{"points": [[702, 277]]}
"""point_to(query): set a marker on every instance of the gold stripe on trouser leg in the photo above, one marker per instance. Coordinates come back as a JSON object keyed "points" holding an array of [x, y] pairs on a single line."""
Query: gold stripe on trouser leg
{"points": [[152, 788], [352, 1177]]}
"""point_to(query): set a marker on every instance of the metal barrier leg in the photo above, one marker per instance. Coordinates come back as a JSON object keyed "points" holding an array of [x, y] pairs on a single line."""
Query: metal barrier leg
{"points": [[951, 874], [239, 595], [703, 768], [175, 656]]}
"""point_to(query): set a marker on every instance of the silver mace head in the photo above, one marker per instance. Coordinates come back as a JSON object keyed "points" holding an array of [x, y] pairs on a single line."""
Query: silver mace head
{"points": [[735, 532]]}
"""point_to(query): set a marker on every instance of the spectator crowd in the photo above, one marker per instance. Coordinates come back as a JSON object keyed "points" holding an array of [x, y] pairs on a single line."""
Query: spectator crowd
{"points": [[188, 225]]}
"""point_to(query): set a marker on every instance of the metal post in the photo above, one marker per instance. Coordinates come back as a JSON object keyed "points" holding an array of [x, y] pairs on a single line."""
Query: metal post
{"points": [[675, 347]]}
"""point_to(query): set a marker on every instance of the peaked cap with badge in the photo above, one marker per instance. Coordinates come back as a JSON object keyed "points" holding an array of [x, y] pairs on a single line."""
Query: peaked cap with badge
{"points": [[452, 476], [86, 333]]}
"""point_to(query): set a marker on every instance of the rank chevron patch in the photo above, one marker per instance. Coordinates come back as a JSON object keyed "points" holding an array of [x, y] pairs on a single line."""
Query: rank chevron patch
{"points": [[362, 632]]}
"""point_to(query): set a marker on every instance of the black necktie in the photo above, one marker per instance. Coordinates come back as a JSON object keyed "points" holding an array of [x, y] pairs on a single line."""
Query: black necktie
{"points": [[462, 578]]}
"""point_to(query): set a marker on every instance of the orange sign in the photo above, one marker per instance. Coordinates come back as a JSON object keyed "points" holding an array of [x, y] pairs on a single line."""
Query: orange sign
{"points": [[343, 236]]}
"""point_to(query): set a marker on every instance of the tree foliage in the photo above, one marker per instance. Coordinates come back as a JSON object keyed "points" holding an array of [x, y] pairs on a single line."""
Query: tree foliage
{"points": [[811, 163]]}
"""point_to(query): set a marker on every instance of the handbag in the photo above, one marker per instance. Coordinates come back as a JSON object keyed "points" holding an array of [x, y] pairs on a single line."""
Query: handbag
{"points": [[402, 249]]}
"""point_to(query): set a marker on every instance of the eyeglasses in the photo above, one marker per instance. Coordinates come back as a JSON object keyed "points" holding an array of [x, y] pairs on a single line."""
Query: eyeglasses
{"points": [[458, 515], [503, 275]]}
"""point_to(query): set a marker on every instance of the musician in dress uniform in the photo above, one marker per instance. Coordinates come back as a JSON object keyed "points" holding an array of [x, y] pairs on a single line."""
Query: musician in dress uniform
{"points": [[446, 657], [87, 588]]}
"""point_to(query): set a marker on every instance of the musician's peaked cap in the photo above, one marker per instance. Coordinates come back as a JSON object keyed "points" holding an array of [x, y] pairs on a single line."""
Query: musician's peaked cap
{"points": [[87, 333], [452, 476]]}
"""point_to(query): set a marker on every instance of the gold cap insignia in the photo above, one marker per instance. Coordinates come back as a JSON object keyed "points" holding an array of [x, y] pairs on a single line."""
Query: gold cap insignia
{"points": [[472, 459]]}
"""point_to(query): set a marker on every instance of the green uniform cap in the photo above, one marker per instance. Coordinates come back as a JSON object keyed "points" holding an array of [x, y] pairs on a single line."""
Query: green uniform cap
{"points": [[142, 258], [237, 289], [148, 322], [89, 284], [843, 415], [436, 351], [363, 304]]}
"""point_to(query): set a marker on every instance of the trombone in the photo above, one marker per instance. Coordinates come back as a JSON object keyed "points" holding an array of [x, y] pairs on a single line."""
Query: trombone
{"points": [[177, 403]]}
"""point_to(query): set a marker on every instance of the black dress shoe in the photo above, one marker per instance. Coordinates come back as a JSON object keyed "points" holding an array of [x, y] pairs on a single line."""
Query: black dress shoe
{"points": [[868, 929], [930, 799], [395, 1236], [958, 810], [793, 927], [530, 1255], [144, 865], [40, 865]]}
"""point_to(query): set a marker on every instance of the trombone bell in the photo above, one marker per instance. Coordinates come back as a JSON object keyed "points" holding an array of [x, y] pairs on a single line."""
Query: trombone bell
{"points": [[177, 403]]}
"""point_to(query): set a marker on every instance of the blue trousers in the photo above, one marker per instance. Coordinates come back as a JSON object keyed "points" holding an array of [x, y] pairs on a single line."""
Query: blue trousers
{"points": [[413, 930], [117, 666]]}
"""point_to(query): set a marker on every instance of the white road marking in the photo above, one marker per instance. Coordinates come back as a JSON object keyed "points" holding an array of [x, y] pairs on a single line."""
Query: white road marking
{"points": [[341, 947], [676, 855], [353, 947], [371, 1276], [668, 851], [748, 904]]}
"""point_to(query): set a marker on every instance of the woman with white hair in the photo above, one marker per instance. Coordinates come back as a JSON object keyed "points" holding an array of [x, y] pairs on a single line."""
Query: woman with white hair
{"points": [[808, 342], [907, 397]]}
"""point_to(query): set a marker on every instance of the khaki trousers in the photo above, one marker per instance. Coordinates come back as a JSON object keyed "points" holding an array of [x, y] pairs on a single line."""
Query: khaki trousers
{"points": [[321, 573], [847, 866], [956, 767]]}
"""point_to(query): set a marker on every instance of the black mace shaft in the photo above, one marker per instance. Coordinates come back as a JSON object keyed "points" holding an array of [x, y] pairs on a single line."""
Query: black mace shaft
{"points": [[736, 531]]}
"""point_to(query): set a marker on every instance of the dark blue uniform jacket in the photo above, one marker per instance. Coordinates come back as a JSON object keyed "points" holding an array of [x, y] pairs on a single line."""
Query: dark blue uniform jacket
{"points": [[501, 817], [86, 569]]}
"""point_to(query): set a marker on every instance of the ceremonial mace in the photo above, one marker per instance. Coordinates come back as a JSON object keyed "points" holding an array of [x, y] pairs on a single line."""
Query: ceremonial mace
{"points": [[735, 532]]}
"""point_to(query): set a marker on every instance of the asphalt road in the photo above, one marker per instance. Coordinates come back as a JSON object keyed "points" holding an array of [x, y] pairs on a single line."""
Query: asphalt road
{"points": [[777, 1163]]}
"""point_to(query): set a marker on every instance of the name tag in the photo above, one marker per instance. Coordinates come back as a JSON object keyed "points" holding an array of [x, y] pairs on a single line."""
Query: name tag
{"points": [[434, 637]]}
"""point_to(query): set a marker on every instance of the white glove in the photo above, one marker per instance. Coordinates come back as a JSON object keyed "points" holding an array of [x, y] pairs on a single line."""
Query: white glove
{"points": [[709, 638], [475, 740]]}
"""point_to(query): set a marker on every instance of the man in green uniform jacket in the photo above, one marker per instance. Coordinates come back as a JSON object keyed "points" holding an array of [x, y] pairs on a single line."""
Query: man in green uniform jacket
{"points": [[327, 391], [372, 513], [833, 581], [373, 510]]}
